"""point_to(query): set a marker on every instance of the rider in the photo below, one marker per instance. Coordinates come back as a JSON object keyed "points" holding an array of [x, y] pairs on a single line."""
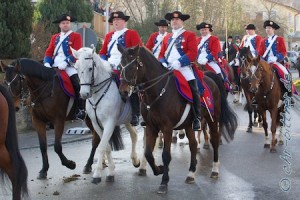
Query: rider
{"points": [[58, 54], [273, 50], [178, 51], [155, 40], [109, 51], [209, 49], [229, 48]]}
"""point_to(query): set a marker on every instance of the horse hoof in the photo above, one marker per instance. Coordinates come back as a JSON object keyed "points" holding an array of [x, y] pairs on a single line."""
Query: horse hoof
{"points": [[71, 165], [206, 146], [160, 145], [249, 130], [273, 150], [214, 175], [255, 124], [174, 140], [163, 189], [137, 165], [96, 180], [42, 176], [267, 146], [110, 179], [190, 180], [181, 135], [87, 169], [142, 172], [280, 142]]}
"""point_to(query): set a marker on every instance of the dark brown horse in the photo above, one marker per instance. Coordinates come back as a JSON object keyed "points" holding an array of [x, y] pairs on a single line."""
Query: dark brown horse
{"points": [[11, 161], [48, 103], [245, 58], [162, 108], [265, 83]]}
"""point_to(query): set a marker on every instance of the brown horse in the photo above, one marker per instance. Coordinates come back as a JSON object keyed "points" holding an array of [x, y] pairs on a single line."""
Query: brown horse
{"points": [[162, 108], [11, 161], [264, 82], [245, 58], [48, 103]]}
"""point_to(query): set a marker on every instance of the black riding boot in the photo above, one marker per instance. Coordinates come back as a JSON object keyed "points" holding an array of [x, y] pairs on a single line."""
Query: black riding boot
{"points": [[196, 105], [135, 105], [79, 102]]}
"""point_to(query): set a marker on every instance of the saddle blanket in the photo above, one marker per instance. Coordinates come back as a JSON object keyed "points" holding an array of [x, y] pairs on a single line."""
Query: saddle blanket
{"points": [[66, 83], [184, 89]]}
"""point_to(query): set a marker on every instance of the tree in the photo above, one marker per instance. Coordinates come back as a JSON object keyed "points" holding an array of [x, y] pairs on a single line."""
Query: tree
{"points": [[15, 28], [48, 10]]}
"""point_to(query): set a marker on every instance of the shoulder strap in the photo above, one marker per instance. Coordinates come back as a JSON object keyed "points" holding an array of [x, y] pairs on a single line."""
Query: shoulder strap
{"points": [[172, 43], [270, 46]]}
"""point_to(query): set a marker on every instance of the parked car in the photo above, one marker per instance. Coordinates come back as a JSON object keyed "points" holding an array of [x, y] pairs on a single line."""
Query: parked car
{"points": [[292, 55]]}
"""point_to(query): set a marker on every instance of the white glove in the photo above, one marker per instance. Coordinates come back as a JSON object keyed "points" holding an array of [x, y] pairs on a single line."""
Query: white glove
{"points": [[175, 65], [165, 65], [47, 65], [63, 65], [202, 61], [272, 59]]}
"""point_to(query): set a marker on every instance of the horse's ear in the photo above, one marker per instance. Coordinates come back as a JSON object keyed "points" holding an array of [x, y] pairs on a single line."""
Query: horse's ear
{"points": [[120, 48], [75, 53], [136, 49], [93, 47]]}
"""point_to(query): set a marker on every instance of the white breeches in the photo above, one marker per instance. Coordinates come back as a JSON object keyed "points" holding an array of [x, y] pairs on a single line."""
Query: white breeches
{"points": [[187, 72], [215, 67]]}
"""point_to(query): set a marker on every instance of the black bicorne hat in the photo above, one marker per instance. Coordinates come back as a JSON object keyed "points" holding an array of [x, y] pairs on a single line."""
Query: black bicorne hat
{"points": [[161, 22], [272, 24], [250, 27], [177, 14], [118, 14], [64, 17], [204, 25]]}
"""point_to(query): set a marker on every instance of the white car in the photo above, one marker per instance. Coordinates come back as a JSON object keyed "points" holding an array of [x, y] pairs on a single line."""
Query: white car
{"points": [[292, 55]]}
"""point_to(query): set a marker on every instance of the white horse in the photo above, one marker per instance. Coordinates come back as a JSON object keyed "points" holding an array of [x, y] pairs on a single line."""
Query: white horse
{"points": [[104, 106]]}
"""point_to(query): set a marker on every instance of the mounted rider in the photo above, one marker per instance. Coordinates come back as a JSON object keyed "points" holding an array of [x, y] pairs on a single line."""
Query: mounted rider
{"points": [[58, 54], [273, 50], [109, 51], [155, 40], [209, 49], [179, 51]]}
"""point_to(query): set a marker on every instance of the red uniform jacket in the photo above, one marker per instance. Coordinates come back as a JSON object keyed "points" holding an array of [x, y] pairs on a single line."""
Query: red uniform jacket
{"points": [[213, 48], [278, 48], [186, 45], [151, 41], [128, 39], [73, 40]]}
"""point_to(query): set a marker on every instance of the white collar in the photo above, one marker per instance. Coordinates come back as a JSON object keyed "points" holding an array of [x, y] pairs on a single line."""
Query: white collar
{"points": [[63, 34], [176, 32], [206, 37]]}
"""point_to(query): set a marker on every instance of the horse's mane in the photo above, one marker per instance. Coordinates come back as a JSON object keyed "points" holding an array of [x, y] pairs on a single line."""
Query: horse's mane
{"points": [[150, 55], [33, 68]]}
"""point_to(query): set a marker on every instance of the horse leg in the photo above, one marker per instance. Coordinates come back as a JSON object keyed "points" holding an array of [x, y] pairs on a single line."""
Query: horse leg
{"points": [[206, 143], [160, 140], [95, 142], [250, 111], [166, 157], [40, 128], [133, 135], [274, 113], [193, 149], [142, 170], [106, 135], [111, 165], [59, 129], [174, 137], [265, 125], [214, 139]]}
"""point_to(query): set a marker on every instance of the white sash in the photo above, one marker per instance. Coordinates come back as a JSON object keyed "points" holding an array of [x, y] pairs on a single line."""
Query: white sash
{"points": [[60, 42], [157, 44], [270, 46], [111, 43], [172, 42]]}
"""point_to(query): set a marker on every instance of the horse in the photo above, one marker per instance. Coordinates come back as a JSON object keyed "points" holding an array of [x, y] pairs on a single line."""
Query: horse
{"points": [[245, 57], [162, 108], [11, 161], [265, 84], [104, 106], [45, 94]]}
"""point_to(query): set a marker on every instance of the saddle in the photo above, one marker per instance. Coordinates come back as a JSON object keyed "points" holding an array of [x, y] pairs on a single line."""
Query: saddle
{"points": [[66, 83]]}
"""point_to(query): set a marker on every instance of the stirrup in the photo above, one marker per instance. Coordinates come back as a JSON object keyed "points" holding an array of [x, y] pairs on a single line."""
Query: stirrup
{"points": [[196, 124]]}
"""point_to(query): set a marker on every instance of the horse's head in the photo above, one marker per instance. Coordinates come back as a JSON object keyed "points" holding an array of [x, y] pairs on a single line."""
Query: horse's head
{"points": [[256, 73], [90, 68], [245, 58], [14, 80], [131, 69]]}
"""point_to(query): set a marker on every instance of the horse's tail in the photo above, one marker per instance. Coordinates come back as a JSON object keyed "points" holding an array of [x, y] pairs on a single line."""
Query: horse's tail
{"points": [[11, 143], [228, 117], [116, 140]]}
